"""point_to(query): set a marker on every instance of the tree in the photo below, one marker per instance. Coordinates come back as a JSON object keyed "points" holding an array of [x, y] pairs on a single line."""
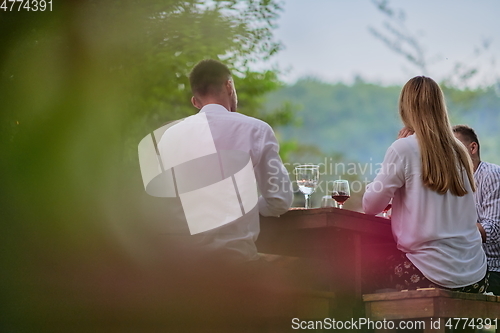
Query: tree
{"points": [[150, 47]]}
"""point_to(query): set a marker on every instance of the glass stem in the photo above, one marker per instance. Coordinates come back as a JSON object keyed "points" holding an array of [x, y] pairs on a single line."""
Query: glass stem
{"points": [[308, 201], [341, 205]]}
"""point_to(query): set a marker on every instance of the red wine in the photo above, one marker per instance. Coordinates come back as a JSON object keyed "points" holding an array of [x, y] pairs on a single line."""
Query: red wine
{"points": [[340, 198], [389, 206]]}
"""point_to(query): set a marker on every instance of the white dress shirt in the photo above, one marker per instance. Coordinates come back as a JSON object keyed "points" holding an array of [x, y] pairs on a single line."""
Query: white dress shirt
{"points": [[232, 131], [437, 232]]}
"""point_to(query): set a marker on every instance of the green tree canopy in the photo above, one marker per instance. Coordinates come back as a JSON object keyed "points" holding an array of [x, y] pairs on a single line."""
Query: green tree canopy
{"points": [[148, 47]]}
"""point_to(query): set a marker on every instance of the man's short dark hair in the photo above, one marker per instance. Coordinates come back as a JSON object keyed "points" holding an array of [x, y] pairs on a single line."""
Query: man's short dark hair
{"points": [[208, 77], [467, 133]]}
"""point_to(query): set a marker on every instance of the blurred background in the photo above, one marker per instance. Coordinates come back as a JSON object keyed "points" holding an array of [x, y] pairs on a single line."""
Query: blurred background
{"points": [[81, 84]]}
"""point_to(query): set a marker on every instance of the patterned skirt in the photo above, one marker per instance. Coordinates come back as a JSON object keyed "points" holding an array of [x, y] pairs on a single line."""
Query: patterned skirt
{"points": [[404, 275]]}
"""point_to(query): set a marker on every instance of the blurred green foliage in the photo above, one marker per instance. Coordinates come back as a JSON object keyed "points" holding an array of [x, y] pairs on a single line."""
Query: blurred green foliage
{"points": [[149, 49], [79, 88]]}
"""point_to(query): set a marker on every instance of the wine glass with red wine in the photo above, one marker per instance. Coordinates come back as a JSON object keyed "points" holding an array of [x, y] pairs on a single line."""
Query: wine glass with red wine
{"points": [[386, 210], [341, 192]]}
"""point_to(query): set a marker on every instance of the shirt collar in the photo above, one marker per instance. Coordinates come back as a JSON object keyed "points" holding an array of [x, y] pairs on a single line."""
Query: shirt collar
{"points": [[213, 108], [479, 167]]}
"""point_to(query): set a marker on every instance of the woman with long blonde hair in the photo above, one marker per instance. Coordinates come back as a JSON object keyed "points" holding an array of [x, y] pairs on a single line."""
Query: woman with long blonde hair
{"points": [[428, 175]]}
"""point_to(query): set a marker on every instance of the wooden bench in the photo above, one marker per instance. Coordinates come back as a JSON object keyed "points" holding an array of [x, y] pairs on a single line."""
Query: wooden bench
{"points": [[429, 305]]}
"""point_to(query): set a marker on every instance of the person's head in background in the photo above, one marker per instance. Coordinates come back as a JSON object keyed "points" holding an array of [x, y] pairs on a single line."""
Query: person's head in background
{"points": [[423, 110], [211, 83], [468, 137]]}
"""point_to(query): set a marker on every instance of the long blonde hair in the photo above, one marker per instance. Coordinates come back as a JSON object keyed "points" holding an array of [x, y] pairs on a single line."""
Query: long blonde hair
{"points": [[423, 110]]}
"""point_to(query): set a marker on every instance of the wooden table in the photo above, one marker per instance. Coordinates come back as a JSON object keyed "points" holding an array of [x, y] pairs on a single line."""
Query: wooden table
{"points": [[352, 244]]}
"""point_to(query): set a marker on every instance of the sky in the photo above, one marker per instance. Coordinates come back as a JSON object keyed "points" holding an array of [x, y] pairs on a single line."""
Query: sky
{"points": [[331, 40]]}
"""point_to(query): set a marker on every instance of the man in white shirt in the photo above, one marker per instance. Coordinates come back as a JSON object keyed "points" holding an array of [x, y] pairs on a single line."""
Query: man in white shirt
{"points": [[487, 196], [222, 207]]}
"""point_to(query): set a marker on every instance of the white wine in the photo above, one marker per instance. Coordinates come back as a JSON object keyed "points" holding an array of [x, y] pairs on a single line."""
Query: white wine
{"points": [[307, 186]]}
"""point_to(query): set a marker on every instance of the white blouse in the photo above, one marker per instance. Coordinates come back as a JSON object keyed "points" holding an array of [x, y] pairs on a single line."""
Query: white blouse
{"points": [[437, 232]]}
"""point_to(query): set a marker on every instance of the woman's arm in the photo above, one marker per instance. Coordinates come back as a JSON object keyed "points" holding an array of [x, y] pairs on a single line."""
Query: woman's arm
{"points": [[390, 178]]}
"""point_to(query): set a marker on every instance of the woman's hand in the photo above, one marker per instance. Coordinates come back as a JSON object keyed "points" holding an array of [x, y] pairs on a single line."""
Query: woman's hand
{"points": [[405, 131]]}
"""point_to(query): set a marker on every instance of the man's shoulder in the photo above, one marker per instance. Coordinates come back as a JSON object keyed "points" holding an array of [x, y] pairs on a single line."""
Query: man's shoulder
{"points": [[489, 173], [219, 115], [490, 168], [251, 121]]}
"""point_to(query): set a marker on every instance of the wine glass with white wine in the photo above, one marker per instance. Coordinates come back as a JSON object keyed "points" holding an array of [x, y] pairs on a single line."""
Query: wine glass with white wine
{"points": [[307, 179]]}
